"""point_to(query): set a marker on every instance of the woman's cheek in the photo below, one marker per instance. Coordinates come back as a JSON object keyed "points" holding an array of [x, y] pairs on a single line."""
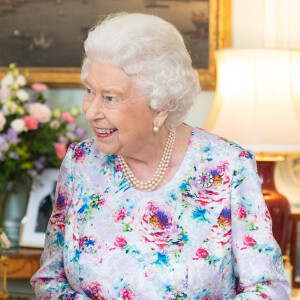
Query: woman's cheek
{"points": [[84, 104]]}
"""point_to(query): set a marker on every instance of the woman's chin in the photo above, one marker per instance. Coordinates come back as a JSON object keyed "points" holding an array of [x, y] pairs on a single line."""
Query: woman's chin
{"points": [[109, 149]]}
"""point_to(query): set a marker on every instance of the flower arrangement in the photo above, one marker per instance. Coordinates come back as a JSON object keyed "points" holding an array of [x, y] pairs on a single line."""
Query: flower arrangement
{"points": [[32, 136]]}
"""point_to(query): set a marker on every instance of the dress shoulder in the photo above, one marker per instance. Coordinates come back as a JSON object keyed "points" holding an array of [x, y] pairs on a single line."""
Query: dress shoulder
{"points": [[220, 146]]}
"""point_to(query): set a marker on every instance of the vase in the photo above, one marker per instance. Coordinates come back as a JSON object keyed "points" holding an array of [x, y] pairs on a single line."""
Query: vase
{"points": [[14, 209], [13, 203], [4, 194]]}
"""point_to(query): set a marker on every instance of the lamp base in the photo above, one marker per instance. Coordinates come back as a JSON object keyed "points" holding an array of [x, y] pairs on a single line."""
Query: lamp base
{"points": [[277, 204]]}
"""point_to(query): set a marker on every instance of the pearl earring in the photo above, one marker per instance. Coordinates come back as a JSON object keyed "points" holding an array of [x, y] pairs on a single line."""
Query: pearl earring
{"points": [[155, 128]]}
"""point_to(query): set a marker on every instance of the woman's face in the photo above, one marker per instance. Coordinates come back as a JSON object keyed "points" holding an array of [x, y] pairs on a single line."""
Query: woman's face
{"points": [[117, 112]]}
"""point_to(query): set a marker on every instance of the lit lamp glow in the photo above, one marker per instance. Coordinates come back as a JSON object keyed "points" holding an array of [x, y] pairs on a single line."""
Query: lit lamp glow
{"points": [[257, 102], [257, 105]]}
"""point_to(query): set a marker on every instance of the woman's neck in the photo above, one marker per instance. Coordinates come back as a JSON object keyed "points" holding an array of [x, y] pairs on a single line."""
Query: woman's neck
{"points": [[145, 163]]}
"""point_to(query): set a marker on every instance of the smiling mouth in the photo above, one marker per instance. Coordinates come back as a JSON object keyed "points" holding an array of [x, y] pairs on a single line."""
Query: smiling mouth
{"points": [[105, 131]]}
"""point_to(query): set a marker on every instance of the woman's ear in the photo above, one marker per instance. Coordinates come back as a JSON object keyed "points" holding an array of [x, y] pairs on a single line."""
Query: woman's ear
{"points": [[160, 118]]}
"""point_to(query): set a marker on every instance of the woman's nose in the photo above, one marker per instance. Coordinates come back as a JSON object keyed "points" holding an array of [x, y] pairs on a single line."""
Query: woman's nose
{"points": [[94, 110]]}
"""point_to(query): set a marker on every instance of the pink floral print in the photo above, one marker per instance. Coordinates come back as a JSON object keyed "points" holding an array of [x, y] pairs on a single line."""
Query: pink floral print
{"points": [[158, 225], [201, 253], [120, 242], [249, 241], [107, 240]]}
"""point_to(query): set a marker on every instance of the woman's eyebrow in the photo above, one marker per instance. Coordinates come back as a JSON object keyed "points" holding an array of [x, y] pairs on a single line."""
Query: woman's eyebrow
{"points": [[86, 82], [113, 90]]}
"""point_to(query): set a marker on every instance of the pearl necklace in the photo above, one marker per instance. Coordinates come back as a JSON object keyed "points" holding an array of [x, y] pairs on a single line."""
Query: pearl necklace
{"points": [[152, 183]]}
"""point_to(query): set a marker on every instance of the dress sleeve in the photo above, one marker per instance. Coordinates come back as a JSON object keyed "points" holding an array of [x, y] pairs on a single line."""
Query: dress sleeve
{"points": [[50, 281], [257, 257]]}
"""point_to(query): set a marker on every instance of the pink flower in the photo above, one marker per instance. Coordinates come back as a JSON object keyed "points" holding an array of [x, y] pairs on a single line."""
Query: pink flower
{"points": [[2, 121], [201, 253], [40, 112], [61, 150], [246, 154], [79, 155], [68, 117], [127, 294], [120, 242], [157, 224], [30, 122], [39, 87], [249, 241], [265, 296], [241, 212], [120, 215]]}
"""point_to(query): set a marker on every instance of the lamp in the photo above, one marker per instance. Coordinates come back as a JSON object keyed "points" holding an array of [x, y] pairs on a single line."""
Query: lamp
{"points": [[257, 101], [257, 105]]}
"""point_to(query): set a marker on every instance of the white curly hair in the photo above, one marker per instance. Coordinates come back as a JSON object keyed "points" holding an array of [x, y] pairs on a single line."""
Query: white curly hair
{"points": [[152, 52]]}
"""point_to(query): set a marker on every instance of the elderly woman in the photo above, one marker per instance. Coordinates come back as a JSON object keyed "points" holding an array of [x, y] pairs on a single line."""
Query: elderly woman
{"points": [[151, 208]]}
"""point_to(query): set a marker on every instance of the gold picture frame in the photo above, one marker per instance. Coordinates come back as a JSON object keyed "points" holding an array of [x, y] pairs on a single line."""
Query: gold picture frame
{"points": [[219, 37]]}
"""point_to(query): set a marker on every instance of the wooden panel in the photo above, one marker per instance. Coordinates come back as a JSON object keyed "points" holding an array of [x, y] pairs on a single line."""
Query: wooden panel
{"points": [[23, 263]]}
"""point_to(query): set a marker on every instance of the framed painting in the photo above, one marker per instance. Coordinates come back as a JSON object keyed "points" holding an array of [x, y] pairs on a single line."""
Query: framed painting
{"points": [[39, 208], [47, 36]]}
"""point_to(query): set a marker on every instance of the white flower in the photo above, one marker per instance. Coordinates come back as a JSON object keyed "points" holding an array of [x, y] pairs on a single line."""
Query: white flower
{"points": [[5, 92], [18, 125], [5, 243], [15, 86], [21, 80], [11, 106], [5, 110], [2, 121], [22, 95], [55, 124], [7, 80]]}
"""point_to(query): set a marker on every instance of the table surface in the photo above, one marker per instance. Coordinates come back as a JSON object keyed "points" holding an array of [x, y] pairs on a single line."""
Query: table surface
{"points": [[20, 297], [23, 262]]}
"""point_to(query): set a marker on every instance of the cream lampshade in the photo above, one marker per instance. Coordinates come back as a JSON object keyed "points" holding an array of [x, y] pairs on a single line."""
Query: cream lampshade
{"points": [[257, 101], [257, 105]]}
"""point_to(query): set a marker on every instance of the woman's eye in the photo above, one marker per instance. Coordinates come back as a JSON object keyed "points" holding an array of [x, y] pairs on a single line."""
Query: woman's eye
{"points": [[109, 100], [90, 92]]}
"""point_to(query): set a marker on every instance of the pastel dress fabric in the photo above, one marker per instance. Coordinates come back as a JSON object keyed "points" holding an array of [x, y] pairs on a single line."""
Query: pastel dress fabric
{"points": [[186, 240]]}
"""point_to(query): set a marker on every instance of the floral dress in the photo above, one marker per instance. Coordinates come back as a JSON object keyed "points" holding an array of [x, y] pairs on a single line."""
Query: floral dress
{"points": [[206, 234]]}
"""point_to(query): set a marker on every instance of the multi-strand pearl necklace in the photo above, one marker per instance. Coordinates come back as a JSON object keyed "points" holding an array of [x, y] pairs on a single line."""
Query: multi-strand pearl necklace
{"points": [[152, 183]]}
